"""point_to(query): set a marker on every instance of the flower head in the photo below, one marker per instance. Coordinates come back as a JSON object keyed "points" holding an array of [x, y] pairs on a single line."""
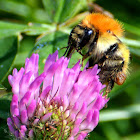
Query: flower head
{"points": [[60, 103]]}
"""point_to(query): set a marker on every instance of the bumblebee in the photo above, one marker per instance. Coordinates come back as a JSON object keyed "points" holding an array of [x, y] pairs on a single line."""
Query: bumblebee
{"points": [[100, 35]]}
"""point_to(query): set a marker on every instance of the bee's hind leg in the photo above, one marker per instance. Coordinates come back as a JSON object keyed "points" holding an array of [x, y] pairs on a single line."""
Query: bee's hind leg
{"points": [[109, 87]]}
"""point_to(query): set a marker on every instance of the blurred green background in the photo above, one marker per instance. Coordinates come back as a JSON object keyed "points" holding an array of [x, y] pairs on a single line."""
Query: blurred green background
{"points": [[42, 26]]}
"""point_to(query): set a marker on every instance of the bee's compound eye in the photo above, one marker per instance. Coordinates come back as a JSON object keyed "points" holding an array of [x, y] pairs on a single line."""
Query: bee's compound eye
{"points": [[90, 32], [120, 78]]}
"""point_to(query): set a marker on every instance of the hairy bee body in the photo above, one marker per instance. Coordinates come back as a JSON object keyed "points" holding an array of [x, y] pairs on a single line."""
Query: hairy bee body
{"points": [[100, 34]]}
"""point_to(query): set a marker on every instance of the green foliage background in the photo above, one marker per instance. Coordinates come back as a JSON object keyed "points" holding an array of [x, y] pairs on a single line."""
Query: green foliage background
{"points": [[42, 26]]}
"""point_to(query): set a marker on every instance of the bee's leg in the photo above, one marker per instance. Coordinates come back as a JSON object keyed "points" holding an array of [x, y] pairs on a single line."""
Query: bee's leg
{"points": [[69, 51], [79, 51], [84, 57], [120, 78], [109, 87], [66, 51], [89, 53], [116, 75]]}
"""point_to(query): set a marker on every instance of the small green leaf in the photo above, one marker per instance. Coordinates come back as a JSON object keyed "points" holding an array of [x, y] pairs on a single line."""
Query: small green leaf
{"points": [[15, 8], [26, 46], [1, 88], [8, 52], [2, 91], [10, 29], [70, 8], [62, 10], [37, 29], [52, 7]]}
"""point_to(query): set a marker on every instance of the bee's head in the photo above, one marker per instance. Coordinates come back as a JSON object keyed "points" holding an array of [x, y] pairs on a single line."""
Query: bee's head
{"points": [[104, 24]]}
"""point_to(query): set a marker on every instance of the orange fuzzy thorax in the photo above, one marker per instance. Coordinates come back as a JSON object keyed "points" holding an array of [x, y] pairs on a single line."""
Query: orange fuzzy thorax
{"points": [[103, 23]]}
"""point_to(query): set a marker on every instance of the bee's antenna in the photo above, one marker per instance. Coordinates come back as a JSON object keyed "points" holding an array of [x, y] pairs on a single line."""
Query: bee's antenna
{"points": [[66, 50], [63, 48]]}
